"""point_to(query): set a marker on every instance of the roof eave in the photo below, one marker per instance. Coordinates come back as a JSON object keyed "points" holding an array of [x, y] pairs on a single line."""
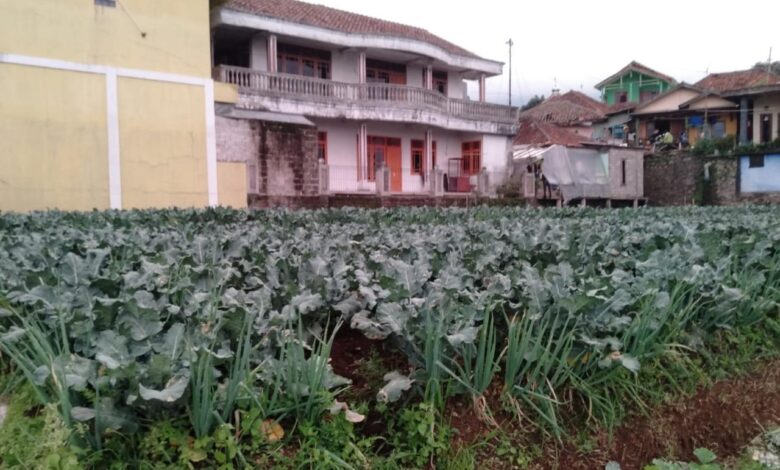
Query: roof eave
{"points": [[224, 16]]}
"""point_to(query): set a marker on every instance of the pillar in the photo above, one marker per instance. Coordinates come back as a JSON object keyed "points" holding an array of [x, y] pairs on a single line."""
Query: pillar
{"points": [[428, 77], [743, 121], [362, 67], [482, 91], [362, 155], [273, 60], [428, 157]]}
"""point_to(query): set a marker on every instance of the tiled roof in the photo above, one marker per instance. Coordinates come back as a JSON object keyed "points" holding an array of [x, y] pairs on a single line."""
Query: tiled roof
{"points": [[562, 111], [738, 80], [634, 65], [582, 99], [532, 132], [339, 20], [618, 108]]}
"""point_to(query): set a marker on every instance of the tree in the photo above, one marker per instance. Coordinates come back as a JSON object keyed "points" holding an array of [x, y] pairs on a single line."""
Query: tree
{"points": [[533, 102], [774, 68]]}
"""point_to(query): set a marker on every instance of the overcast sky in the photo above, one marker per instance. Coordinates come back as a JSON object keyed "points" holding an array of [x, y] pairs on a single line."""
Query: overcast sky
{"points": [[581, 42]]}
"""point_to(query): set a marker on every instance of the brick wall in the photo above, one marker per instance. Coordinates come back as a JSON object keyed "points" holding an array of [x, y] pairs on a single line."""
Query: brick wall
{"points": [[370, 201], [281, 158]]}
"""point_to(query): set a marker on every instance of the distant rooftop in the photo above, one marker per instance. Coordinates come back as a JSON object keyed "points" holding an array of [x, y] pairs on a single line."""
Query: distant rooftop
{"points": [[569, 108], [738, 80], [339, 20]]}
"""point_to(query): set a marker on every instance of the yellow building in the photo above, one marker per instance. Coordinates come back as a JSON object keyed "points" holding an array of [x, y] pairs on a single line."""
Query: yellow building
{"points": [[109, 104]]}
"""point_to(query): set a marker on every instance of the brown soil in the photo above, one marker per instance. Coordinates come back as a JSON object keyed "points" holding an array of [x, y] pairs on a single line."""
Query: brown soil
{"points": [[722, 418], [349, 357]]}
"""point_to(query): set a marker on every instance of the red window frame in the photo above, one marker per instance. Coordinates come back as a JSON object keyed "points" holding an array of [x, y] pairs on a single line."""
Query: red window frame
{"points": [[319, 61], [384, 143], [322, 146], [471, 157], [419, 146], [418, 156]]}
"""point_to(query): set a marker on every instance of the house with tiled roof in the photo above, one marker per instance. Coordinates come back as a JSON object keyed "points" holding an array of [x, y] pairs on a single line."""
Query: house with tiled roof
{"points": [[757, 91], [623, 91], [331, 101]]}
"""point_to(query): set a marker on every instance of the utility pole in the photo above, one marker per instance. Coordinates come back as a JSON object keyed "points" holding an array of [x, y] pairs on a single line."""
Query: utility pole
{"points": [[510, 43], [769, 67]]}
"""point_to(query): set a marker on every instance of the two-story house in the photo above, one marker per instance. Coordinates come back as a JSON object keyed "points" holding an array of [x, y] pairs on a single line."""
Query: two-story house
{"points": [[360, 98]]}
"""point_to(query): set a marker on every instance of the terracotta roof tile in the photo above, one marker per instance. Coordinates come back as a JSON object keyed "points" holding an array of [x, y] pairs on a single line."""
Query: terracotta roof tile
{"points": [[339, 20], [531, 132], [583, 100], [738, 80], [563, 110]]}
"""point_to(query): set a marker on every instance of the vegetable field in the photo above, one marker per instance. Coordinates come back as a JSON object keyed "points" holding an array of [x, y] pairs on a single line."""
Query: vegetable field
{"points": [[216, 327]]}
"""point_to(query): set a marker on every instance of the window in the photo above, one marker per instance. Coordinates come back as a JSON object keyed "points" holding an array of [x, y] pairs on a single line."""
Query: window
{"points": [[322, 146], [418, 156], [440, 82], [106, 3], [756, 161], [378, 71], [622, 172], [471, 159], [622, 97], [296, 60]]}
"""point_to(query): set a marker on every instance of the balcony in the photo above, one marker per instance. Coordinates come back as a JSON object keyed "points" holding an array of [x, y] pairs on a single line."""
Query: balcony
{"points": [[297, 94]]}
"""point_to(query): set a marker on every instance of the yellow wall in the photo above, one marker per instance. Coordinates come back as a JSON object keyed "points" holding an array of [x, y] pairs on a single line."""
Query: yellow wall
{"points": [[232, 184], [163, 144], [177, 33], [53, 124], [53, 144]]}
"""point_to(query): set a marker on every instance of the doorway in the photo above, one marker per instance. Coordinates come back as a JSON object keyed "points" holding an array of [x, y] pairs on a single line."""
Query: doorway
{"points": [[766, 128], [386, 151]]}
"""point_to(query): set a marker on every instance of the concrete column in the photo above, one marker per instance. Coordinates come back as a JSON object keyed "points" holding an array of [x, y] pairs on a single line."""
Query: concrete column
{"points": [[743, 121], [428, 157], [362, 155], [482, 91], [428, 77], [362, 67], [273, 61]]}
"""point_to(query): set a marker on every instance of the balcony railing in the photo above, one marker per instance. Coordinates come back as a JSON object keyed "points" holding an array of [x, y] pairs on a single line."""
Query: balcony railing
{"points": [[300, 87]]}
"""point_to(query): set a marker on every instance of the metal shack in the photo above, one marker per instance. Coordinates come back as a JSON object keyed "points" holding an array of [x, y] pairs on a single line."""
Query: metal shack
{"points": [[593, 174]]}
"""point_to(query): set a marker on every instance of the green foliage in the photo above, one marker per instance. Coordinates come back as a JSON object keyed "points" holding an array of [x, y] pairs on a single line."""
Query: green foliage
{"points": [[40, 440], [704, 148], [533, 102], [705, 461], [122, 319], [417, 436]]}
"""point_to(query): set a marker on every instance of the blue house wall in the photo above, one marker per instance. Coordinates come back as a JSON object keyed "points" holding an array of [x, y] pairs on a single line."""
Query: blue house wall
{"points": [[764, 179]]}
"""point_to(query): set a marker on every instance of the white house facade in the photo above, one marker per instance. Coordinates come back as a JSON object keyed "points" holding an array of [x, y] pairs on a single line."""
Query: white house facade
{"points": [[344, 101]]}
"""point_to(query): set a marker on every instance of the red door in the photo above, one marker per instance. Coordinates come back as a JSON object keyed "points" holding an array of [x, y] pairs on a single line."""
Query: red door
{"points": [[394, 167]]}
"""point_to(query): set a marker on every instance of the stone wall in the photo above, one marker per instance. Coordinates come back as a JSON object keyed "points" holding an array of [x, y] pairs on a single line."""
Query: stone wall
{"points": [[281, 158], [672, 180], [675, 180]]}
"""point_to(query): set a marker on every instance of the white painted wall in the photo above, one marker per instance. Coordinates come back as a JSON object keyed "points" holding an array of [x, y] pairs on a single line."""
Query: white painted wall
{"points": [[258, 60], [456, 86], [414, 76], [766, 105], [345, 67], [342, 152]]}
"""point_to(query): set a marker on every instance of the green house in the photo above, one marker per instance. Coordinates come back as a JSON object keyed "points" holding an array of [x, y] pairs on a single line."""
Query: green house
{"points": [[634, 83]]}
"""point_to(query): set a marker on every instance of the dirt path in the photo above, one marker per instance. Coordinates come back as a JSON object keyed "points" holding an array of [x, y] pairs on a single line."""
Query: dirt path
{"points": [[723, 418]]}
